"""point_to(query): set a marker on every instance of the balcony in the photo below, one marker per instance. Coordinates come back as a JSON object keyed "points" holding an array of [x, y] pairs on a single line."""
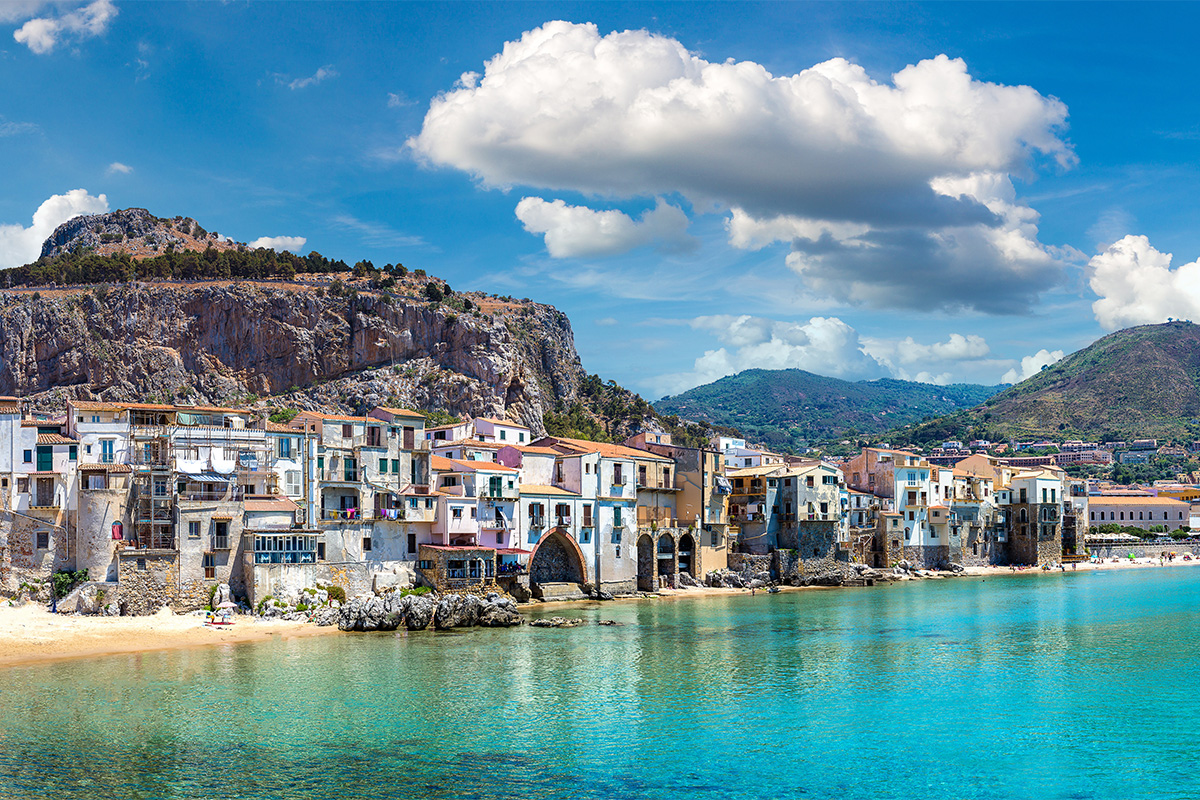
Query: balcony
{"points": [[537, 522], [345, 514], [562, 522]]}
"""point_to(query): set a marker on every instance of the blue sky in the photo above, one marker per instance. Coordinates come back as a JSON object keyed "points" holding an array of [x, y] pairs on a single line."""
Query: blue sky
{"points": [[943, 192]]}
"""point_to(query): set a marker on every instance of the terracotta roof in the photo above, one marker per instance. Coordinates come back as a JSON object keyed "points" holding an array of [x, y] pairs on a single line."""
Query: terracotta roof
{"points": [[456, 465], [149, 407], [580, 447], [277, 504], [539, 489], [105, 468], [94, 405], [277, 427], [402, 412], [6, 408], [54, 438], [545, 451], [336, 417], [1125, 500], [751, 472]]}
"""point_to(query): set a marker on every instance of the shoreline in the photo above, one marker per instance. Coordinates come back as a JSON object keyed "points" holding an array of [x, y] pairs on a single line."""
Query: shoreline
{"points": [[32, 635]]}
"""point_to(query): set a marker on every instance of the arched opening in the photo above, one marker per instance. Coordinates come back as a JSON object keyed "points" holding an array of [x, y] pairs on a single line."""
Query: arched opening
{"points": [[666, 560], [645, 564], [687, 554], [557, 559]]}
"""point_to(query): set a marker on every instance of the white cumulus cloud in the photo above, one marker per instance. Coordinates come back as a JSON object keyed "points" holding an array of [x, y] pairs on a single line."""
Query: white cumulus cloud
{"points": [[1032, 365], [20, 245], [823, 345], [1136, 285], [885, 188], [578, 231], [43, 34], [292, 244]]}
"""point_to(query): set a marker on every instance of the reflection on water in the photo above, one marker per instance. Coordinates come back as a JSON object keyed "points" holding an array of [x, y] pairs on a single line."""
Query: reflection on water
{"points": [[1072, 686]]}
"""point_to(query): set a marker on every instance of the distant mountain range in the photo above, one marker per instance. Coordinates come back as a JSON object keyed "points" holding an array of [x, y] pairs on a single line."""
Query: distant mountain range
{"points": [[783, 408], [1141, 382]]}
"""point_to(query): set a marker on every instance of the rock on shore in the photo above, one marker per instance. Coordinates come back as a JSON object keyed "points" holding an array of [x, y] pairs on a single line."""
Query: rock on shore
{"points": [[418, 612]]}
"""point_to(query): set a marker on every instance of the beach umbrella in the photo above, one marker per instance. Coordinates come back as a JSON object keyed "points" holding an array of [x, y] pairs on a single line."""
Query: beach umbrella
{"points": [[227, 604]]}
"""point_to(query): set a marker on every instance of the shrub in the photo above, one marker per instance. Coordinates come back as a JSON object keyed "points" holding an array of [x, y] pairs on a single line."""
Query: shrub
{"points": [[433, 293], [335, 592], [418, 591], [263, 604], [65, 581], [212, 592]]}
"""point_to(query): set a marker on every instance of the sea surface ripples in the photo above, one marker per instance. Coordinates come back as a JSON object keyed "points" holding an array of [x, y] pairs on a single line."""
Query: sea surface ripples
{"points": [[1071, 686]]}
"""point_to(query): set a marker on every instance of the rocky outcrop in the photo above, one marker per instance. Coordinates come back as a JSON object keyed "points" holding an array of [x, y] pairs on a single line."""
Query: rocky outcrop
{"points": [[134, 231], [220, 343], [392, 612]]}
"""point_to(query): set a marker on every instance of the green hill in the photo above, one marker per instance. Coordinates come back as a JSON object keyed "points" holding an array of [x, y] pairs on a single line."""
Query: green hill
{"points": [[1141, 382], [782, 408]]}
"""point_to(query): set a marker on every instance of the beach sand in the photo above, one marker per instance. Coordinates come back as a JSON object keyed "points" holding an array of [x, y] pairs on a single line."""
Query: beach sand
{"points": [[30, 633]]}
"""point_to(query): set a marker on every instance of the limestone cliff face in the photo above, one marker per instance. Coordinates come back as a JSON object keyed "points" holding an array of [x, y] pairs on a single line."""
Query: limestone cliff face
{"points": [[224, 343]]}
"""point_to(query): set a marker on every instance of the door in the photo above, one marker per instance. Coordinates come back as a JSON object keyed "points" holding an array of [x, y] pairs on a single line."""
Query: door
{"points": [[409, 434]]}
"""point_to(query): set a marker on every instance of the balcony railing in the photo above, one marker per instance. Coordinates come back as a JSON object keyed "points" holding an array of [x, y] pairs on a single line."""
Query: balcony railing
{"points": [[537, 522], [562, 522]]}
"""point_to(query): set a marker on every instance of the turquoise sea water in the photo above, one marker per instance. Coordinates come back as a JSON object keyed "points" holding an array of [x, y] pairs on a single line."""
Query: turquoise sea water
{"points": [[1064, 686]]}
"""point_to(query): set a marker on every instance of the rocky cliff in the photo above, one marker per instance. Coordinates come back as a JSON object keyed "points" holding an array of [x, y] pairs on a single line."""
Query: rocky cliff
{"points": [[298, 343], [134, 231]]}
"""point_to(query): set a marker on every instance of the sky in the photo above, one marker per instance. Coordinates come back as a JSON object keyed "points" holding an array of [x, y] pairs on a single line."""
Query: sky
{"points": [[948, 192]]}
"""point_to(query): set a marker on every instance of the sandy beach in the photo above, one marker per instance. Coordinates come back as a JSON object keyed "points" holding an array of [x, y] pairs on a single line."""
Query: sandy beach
{"points": [[30, 633]]}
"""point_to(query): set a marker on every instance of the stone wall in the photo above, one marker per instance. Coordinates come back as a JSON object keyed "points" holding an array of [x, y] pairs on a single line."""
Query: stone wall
{"points": [[21, 561], [279, 580], [928, 557], [554, 563], [148, 580], [1143, 550], [752, 563]]}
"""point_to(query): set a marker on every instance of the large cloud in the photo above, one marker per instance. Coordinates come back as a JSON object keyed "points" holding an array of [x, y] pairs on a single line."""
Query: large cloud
{"points": [[20, 245], [902, 166], [578, 231], [1137, 286], [43, 34], [1032, 365], [292, 244], [823, 345]]}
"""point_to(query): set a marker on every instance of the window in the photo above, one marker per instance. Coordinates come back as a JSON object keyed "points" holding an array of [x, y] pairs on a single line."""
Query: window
{"points": [[350, 469], [585, 535], [641, 475], [503, 435], [194, 529], [160, 487], [28, 456], [714, 539], [321, 462], [520, 436], [824, 508], [829, 480], [285, 448], [809, 481], [500, 537], [412, 544], [587, 515], [425, 563], [618, 551], [617, 521], [587, 468], [210, 566], [320, 551], [618, 478], [73, 453], [43, 540], [291, 482], [383, 464], [456, 513], [221, 535], [473, 512], [347, 430], [395, 466], [366, 544], [666, 476]]}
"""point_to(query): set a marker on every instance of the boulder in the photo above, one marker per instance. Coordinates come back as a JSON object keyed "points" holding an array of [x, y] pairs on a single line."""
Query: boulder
{"points": [[556, 622], [457, 611], [500, 614], [222, 595], [420, 612], [687, 580], [326, 616]]}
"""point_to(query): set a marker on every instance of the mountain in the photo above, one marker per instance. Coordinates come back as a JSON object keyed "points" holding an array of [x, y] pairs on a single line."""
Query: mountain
{"points": [[135, 232], [180, 315], [1141, 382], [781, 408]]}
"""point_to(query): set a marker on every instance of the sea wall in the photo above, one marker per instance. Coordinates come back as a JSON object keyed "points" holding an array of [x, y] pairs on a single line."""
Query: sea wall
{"points": [[1144, 550]]}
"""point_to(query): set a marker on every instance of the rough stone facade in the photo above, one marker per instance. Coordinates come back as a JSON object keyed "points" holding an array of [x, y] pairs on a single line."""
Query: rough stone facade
{"points": [[96, 551], [930, 557], [281, 580], [1142, 550], [1034, 534], [149, 580], [21, 560], [555, 562]]}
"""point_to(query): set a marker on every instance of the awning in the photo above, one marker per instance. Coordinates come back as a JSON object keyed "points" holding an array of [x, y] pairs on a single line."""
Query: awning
{"points": [[723, 485], [209, 477]]}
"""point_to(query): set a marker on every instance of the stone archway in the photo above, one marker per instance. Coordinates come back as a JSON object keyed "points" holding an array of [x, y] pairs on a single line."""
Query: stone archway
{"points": [[557, 559], [646, 579], [687, 554], [667, 565]]}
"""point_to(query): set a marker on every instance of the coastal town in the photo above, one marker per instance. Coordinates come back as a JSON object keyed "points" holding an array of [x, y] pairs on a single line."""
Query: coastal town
{"points": [[137, 506]]}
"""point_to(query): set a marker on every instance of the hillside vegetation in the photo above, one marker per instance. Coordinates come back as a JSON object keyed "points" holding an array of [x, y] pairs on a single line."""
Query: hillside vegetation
{"points": [[784, 408], [1141, 382]]}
